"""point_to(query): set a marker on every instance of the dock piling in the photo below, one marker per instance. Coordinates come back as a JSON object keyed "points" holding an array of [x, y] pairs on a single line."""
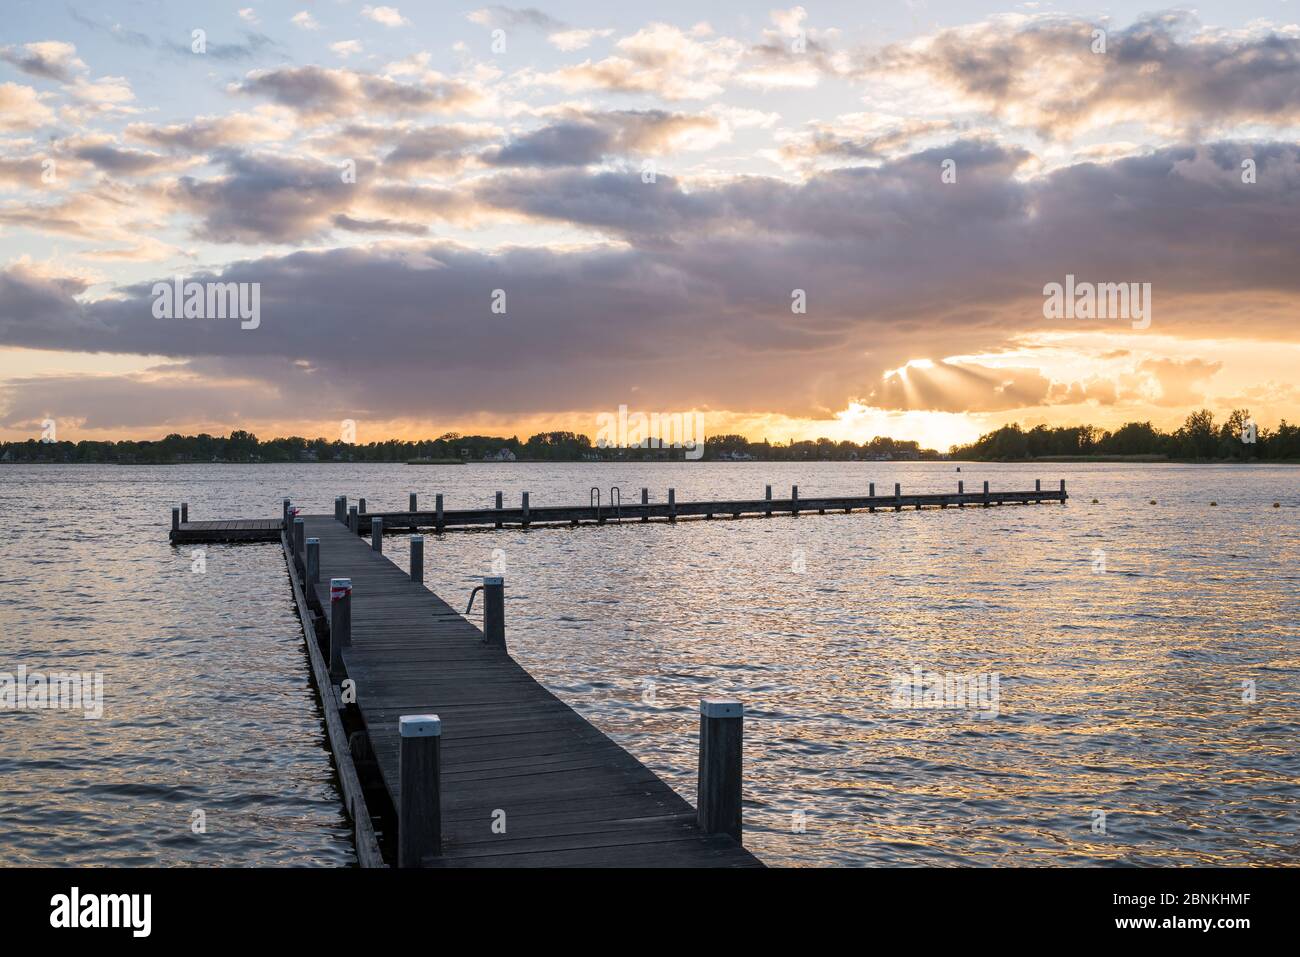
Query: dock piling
{"points": [[419, 818], [354, 522], [313, 560], [645, 500], [718, 808], [494, 611], [185, 512], [767, 495], [524, 504], [1038, 485], [361, 506], [340, 622], [986, 494], [417, 559], [339, 513], [1062, 491], [898, 497], [299, 540], [794, 500], [961, 490], [284, 514], [672, 505], [871, 493], [412, 502], [437, 509], [498, 508], [377, 534], [176, 519]]}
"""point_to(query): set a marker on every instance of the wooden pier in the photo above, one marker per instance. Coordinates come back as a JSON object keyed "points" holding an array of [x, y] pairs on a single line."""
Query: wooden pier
{"points": [[526, 515], [449, 753]]}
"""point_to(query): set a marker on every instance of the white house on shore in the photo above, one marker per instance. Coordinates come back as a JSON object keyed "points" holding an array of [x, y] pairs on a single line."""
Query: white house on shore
{"points": [[501, 455]]}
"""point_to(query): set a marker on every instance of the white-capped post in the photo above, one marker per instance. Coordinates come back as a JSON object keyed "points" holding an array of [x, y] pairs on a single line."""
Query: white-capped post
{"points": [[721, 743], [377, 534], [313, 560], [419, 772], [340, 623]]}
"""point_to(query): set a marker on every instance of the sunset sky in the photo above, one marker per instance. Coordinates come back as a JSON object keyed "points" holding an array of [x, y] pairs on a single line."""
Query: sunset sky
{"points": [[648, 185]]}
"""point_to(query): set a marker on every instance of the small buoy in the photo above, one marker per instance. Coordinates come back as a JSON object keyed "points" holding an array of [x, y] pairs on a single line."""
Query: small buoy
{"points": [[1275, 505], [1094, 501], [1153, 501], [1214, 503]]}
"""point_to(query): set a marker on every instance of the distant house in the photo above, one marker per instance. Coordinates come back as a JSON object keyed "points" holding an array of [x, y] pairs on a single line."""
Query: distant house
{"points": [[501, 455], [735, 457]]}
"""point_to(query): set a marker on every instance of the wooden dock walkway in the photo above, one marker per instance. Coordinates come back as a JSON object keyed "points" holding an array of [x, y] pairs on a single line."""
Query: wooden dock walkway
{"points": [[449, 753], [526, 781]]}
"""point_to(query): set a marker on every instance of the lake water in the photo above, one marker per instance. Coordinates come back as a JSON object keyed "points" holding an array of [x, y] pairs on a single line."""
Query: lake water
{"points": [[1147, 713]]}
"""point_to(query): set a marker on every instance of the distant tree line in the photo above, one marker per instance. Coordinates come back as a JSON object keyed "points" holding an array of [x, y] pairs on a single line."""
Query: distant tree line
{"points": [[1198, 439], [241, 446]]}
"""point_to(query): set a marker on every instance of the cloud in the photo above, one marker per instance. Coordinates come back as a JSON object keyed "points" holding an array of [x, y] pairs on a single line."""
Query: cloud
{"points": [[346, 48], [894, 266], [317, 93], [106, 155], [586, 138], [960, 387], [387, 16], [48, 59], [570, 40], [303, 20], [21, 108], [1178, 380], [205, 133], [1164, 71], [509, 18], [659, 59]]}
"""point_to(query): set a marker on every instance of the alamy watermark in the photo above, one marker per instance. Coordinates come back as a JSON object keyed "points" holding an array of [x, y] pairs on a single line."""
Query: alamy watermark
{"points": [[56, 691], [209, 300], [1107, 300], [947, 691], [678, 430]]}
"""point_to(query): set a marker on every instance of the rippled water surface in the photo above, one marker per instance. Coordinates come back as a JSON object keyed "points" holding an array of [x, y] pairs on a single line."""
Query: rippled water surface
{"points": [[1121, 691]]}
